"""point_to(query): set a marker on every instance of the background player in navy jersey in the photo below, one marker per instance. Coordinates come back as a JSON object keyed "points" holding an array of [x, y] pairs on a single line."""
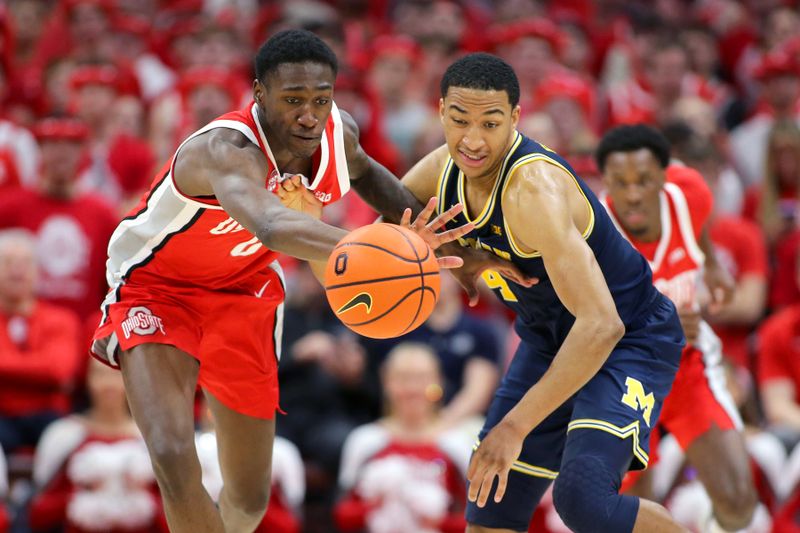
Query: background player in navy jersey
{"points": [[600, 346]]}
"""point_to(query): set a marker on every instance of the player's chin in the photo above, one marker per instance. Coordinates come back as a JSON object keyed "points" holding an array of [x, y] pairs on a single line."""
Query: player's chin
{"points": [[304, 148]]}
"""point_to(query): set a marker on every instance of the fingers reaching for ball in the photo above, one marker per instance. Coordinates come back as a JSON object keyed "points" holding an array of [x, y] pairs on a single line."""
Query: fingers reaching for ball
{"points": [[427, 228]]}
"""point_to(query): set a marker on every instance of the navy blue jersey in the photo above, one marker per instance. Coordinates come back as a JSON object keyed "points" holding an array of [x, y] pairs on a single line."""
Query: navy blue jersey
{"points": [[541, 317]]}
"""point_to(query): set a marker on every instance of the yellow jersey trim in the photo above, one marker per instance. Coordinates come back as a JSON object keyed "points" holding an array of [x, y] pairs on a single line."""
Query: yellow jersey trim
{"points": [[528, 469], [631, 430], [547, 159], [441, 184], [488, 208]]}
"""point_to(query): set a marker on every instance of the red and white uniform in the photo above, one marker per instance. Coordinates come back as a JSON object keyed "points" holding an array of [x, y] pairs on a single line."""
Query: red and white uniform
{"points": [[699, 397], [183, 272], [393, 485]]}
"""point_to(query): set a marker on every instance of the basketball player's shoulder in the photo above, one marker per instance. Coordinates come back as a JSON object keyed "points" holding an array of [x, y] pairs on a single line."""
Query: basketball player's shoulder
{"points": [[350, 131], [357, 158], [689, 180], [536, 178], [219, 147]]}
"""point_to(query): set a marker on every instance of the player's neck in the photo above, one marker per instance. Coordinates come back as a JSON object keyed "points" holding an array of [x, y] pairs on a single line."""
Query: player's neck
{"points": [[286, 161]]}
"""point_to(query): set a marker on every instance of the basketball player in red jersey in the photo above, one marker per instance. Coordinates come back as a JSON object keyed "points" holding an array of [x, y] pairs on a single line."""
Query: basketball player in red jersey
{"points": [[661, 210], [196, 294]]}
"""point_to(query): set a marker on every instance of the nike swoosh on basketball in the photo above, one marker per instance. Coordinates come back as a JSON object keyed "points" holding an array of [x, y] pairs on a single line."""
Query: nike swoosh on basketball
{"points": [[362, 298], [260, 292]]}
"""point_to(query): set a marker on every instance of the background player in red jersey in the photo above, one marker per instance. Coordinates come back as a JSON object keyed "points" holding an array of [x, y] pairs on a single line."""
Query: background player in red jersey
{"points": [[661, 210], [197, 293]]}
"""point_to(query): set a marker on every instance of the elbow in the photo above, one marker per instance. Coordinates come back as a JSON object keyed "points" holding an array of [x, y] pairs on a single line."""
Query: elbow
{"points": [[275, 230], [608, 329]]}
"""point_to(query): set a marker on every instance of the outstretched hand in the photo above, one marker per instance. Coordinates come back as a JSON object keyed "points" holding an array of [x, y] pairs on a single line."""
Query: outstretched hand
{"points": [[295, 195], [427, 229]]}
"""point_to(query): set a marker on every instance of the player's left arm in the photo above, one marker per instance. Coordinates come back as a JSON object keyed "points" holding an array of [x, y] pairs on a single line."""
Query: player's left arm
{"points": [[374, 183], [700, 202], [719, 281], [543, 190]]}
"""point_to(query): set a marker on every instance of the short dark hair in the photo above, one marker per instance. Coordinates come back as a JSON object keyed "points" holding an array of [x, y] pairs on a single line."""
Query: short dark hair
{"points": [[293, 46], [630, 138], [484, 72]]}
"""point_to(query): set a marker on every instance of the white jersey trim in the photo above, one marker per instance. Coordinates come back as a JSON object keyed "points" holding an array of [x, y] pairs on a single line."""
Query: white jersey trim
{"points": [[685, 222], [340, 155], [342, 172], [241, 127], [711, 348], [666, 229], [277, 334]]}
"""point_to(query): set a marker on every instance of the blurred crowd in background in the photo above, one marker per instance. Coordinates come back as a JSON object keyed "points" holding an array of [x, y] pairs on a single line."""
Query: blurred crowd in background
{"points": [[96, 94]]}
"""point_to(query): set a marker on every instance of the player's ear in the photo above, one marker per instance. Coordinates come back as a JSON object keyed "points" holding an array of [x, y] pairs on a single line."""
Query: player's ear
{"points": [[441, 109], [515, 116], [258, 91]]}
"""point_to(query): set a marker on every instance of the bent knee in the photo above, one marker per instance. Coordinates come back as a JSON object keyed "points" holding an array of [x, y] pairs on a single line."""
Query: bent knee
{"points": [[174, 461], [250, 502], [585, 497], [735, 504]]}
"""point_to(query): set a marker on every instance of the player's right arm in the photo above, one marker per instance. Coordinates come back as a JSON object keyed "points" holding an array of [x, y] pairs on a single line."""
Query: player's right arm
{"points": [[225, 164]]}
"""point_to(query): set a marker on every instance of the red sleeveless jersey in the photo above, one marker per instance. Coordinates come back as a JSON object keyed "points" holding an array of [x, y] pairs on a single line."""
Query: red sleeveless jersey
{"points": [[699, 397], [676, 259], [176, 240]]}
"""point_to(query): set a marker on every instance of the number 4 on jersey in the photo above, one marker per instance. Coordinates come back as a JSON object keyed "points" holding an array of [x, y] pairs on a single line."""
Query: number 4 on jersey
{"points": [[494, 280]]}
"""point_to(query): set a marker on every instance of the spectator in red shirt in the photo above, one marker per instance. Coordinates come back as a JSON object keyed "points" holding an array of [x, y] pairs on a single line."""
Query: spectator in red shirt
{"points": [[741, 250], [118, 165], [773, 203], [92, 470], [72, 229], [400, 473], [779, 372], [38, 348]]}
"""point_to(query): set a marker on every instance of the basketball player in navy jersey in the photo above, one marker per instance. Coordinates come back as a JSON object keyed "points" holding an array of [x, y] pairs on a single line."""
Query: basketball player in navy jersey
{"points": [[600, 345]]}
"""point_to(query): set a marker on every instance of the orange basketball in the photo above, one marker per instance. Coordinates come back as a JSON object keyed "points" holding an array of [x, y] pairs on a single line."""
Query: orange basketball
{"points": [[382, 280]]}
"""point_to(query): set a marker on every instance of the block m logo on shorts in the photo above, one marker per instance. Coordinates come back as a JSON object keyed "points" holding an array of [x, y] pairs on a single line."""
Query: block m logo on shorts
{"points": [[636, 399]]}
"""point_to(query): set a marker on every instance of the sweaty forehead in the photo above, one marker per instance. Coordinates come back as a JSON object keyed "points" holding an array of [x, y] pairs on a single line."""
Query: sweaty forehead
{"points": [[309, 76], [477, 101], [636, 161]]}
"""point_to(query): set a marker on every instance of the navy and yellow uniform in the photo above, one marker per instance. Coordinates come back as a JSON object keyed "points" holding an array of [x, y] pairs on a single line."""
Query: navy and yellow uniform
{"points": [[624, 398]]}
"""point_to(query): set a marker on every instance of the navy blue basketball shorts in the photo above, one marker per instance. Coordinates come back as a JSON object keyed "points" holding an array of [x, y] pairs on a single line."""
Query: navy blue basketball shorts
{"points": [[623, 399]]}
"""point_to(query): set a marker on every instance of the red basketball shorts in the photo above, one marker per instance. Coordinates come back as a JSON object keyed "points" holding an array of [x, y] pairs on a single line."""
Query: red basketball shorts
{"points": [[235, 335], [699, 399]]}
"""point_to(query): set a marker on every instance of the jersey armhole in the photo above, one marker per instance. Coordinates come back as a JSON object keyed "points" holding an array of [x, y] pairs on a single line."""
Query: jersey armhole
{"points": [[207, 202], [530, 159]]}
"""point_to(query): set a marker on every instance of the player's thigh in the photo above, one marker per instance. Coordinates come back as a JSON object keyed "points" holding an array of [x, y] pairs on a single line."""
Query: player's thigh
{"points": [[624, 399], [537, 466], [244, 447], [160, 382]]}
